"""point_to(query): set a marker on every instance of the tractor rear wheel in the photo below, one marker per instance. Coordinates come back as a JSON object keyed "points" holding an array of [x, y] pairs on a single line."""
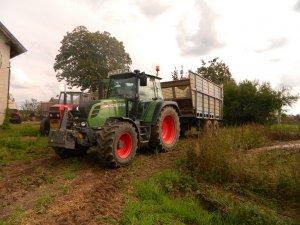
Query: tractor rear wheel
{"points": [[45, 127], [165, 133], [117, 144]]}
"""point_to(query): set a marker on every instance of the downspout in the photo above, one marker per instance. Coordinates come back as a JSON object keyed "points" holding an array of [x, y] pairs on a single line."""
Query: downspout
{"points": [[8, 88]]}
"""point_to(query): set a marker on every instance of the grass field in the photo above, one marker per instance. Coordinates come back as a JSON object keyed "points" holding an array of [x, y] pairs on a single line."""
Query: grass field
{"points": [[21, 142], [221, 182]]}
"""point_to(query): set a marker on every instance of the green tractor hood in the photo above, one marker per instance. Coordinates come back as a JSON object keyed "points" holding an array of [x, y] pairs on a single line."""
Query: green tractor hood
{"points": [[104, 109]]}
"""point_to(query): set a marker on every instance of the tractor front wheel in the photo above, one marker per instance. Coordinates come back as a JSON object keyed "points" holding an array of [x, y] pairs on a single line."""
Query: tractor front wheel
{"points": [[45, 127], [165, 133], [117, 144]]}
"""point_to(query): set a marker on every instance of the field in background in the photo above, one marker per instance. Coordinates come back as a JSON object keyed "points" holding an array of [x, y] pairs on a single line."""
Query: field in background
{"points": [[21, 142]]}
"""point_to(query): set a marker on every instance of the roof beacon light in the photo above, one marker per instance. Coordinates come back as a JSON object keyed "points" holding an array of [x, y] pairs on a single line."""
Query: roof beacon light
{"points": [[157, 70]]}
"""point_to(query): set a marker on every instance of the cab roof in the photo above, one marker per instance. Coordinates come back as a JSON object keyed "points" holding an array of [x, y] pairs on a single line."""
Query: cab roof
{"points": [[133, 74]]}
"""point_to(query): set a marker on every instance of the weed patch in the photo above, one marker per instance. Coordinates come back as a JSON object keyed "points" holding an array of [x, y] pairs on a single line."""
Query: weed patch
{"points": [[15, 217], [70, 172], [64, 188], [42, 202]]}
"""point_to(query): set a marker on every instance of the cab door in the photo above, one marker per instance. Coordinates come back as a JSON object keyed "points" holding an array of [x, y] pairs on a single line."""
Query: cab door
{"points": [[146, 97]]}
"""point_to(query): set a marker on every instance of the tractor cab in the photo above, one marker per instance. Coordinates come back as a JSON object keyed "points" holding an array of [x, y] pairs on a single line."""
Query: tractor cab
{"points": [[66, 100], [138, 90]]}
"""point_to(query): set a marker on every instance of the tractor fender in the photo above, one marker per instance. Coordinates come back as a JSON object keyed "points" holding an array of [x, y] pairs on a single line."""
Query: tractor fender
{"points": [[160, 106], [125, 119]]}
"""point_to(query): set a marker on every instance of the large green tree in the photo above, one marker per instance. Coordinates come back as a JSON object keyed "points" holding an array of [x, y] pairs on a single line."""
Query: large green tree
{"points": [[84, 56], [215, 70], [250, 101]]}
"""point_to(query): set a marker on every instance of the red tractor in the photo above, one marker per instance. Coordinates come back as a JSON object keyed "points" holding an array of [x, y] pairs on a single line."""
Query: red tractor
{"points": [[66, 100]]}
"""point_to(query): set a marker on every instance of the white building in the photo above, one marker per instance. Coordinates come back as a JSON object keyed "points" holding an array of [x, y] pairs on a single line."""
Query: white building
{"points": [[10, 47]]}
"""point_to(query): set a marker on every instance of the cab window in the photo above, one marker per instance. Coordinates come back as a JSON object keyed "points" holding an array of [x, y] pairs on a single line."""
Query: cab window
{"points": [[147, 92]]}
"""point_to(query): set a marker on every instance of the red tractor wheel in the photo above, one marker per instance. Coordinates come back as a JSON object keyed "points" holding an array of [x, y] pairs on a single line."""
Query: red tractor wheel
{"points": [[117, 144], [165, 133], [124, 145]]}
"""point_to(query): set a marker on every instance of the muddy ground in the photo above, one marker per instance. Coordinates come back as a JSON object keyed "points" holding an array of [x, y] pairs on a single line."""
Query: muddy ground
{"points": [[73, 191], [78, 190]]}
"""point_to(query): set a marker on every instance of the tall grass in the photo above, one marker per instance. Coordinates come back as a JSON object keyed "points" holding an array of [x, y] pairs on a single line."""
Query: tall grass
{"points": [[172, 197], [224, 159]]}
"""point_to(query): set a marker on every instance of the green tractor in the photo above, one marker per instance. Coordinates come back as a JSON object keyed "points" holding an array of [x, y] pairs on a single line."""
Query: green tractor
{"points": [[132, 115]]}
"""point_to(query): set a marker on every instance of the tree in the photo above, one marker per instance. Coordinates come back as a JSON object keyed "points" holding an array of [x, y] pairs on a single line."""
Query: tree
{"points": [[84, 56], [31, 108], [286, 100], [216, 71], [175, 74], [250, 101]]}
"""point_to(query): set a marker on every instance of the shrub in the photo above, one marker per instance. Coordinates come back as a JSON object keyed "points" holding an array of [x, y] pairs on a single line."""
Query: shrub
{"points": [[225, 159]]}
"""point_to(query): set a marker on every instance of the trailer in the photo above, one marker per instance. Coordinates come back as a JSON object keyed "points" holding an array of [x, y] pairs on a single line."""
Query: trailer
{"points": [[200, 102]]}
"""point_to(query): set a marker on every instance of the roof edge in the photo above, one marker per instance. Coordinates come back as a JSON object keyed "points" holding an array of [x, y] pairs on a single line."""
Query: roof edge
{"points": [[17, 47]]}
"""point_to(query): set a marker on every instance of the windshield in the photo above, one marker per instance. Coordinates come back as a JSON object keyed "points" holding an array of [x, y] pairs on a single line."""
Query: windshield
{"points": [[71, 98], [122, 88]]}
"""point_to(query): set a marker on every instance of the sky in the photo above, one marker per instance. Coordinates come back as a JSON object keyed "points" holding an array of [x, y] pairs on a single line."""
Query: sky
{"points": [[257, 39]]}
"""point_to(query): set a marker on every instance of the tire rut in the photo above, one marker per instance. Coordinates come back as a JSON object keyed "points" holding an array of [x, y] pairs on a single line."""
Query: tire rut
{"points": [[96, 195]]}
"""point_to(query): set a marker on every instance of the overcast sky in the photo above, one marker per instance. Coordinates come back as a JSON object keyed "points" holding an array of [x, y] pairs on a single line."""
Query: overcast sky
{"points": [[257, 39]]}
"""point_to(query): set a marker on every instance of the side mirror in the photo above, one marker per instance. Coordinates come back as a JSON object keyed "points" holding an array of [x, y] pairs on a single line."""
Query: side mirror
{"points": [[143, 80]]}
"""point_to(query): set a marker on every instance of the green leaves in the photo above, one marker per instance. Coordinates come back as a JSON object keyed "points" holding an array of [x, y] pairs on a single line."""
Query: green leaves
{"points": [[217, 72], [84, 56], [250, 101]]}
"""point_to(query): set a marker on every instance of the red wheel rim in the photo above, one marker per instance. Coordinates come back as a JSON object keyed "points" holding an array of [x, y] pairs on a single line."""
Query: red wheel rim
{"points": [[124, 145], [168, 130]]}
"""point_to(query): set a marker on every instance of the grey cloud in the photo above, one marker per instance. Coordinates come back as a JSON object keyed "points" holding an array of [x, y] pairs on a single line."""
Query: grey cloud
{"points": [[152, 8], [297, 6], [289, 80], [274, 44], [205, 39]]}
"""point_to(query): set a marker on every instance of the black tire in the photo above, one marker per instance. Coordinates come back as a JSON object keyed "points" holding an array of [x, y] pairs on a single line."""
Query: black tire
{"points": [[167, 139], [116, 135], [215, 127], [208, 128], [68, 153], [45, 127]]}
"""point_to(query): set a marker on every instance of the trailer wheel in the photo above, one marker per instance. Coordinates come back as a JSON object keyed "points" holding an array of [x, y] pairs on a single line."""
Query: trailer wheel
{"points": [[208, 127], [64, 153], [117, 144], [45, 127], [165, 133], [215, 127]]}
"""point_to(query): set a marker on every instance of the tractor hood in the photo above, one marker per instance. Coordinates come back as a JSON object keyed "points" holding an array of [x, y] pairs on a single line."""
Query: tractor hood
{"points": [[104, 109]]}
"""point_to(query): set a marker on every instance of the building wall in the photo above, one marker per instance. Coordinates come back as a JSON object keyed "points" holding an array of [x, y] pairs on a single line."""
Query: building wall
{"points": [[4, 72]]}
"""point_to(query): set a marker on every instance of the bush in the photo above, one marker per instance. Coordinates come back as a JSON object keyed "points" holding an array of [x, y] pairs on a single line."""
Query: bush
{"points": [[224, 159]]}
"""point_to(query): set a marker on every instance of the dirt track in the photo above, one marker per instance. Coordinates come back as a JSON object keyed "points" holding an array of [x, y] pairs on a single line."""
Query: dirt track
{"points": [[44, 191], [79, 190]]}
